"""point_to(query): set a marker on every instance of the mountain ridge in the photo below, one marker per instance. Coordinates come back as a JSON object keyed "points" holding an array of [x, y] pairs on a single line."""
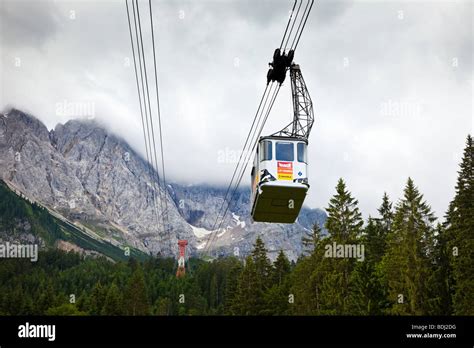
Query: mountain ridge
{"points": [[28, 222], [94, 176]]}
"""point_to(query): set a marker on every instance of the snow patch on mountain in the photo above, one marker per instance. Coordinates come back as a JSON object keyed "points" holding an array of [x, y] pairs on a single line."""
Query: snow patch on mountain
{"points": [[201, 246], [199, 231], [237, 220]]}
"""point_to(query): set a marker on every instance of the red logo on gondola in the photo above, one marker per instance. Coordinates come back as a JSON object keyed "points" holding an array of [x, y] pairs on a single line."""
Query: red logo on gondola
{"points": [[285, 170]]}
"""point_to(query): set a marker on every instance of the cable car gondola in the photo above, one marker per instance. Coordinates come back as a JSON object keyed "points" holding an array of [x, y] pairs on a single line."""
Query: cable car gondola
{"points": [[279, 176], [279, 179]]}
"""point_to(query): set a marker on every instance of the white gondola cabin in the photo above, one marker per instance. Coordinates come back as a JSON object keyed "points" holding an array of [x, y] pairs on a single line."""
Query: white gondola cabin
{"points": [[279, 179]]}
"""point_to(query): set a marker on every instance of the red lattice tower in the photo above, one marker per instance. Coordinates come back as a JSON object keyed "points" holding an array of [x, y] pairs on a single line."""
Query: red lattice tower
{"points": [[182, 258]]}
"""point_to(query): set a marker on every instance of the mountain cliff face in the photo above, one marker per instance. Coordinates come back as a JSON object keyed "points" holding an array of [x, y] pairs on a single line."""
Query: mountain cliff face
{"points": [[87, 174], [25, 222], [200, 204]]}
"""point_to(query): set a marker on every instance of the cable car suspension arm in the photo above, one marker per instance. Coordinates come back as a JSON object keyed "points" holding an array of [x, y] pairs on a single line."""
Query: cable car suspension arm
{"points": [[303, 116]]}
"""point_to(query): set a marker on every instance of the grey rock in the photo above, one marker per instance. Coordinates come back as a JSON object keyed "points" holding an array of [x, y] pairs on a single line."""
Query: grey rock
{"points": [[88, 174]]}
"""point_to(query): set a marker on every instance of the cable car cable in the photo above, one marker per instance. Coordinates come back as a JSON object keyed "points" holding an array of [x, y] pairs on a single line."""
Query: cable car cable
{"points": [[264, 97], [155, 176], [150, 170], [272, 101], [253, 149], [246, 164], [211, 239], [256, 117], [301, 21], [292, 25], [159, 122], [150, 122], [297, 37], [304, 24], [298, 33], [288, 24], [239, 163]]}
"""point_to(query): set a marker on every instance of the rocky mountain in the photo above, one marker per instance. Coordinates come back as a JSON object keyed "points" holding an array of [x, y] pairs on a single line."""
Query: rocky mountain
{"points": [[26, 222], [200, 204], [86, 174]]}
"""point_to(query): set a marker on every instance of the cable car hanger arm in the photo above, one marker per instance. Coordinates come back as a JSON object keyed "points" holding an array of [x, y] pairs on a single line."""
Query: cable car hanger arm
{"points": [[303, 116]]}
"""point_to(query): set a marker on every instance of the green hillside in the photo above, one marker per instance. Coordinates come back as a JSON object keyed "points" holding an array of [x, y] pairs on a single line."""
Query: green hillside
{"points": [[14, 209]]}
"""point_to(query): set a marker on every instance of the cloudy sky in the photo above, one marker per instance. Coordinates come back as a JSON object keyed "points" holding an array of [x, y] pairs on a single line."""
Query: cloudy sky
{"points": [[391, 82]]}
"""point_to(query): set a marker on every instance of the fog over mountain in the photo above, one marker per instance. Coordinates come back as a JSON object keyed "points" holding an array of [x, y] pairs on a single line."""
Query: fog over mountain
{"points": [[92, 176], [391, 82]]}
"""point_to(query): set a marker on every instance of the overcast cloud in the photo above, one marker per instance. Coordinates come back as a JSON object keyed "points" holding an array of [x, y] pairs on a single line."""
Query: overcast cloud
{"points": [[392, 84]]}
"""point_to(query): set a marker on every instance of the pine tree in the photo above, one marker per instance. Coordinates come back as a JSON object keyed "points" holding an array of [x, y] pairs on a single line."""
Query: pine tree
{"points": [[305, 297], [136, 300], [344, 220], [214, 292], [386, 213], [47, 298], [230, 289], [311, 239], [163, 306], [320, 284], [16, 299], [377, 235], [97, 299], [344, 224], [407, 265], [248, 295], [368, 296], [374, 240], [113, 304], [276, 297], [253, 282], [276, 301], [364, 293], [262, 263], [281, 268], [460, 235], [307, 276], [441, 278]]}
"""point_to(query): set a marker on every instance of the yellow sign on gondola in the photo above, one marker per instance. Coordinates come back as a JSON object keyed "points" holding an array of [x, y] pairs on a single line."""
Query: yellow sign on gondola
{"points": [[285, 170]]}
